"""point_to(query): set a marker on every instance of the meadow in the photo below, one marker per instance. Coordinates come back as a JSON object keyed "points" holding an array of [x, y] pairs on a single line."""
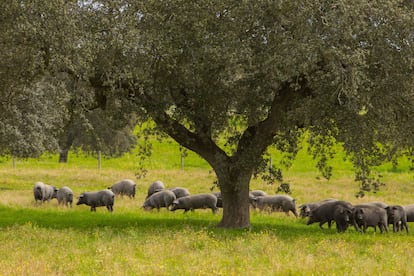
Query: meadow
{"points": [[53, 240]]}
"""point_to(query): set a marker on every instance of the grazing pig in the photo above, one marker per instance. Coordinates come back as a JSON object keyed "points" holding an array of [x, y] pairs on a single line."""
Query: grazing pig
{"points": [[156, 186], [65, 196], [342, 217], [158, 200], [409, 211], [219, 203], [97, 199], [124, 187], [257, 193], [43, 192], [366, 215], [254, 194], [275, 203], [325, 212], [397, 217], [179, 192], [306, 208], [192, 202]]}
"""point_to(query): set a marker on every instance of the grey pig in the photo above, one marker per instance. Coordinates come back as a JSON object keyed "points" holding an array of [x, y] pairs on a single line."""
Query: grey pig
{"points": [[365, 215], [43, 192], [342, 217], [124, 187], [257, 193], [179, 192], [158, 200], [306, 208], [65, 196], [325, 213], [282, 203], [97, 199], [409, 211], [192, 202], [156, 186], [397, 217], [253, 194], [219, 203]]}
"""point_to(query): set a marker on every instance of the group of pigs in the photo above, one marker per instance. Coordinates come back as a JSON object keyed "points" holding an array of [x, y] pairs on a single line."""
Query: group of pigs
{"points": [[177, 198], [180, 198], [344, 214], [361, 216], [43, 192], [157, 197]]}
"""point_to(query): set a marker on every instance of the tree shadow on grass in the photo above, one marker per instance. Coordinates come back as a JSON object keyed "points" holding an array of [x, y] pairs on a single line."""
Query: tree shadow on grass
{"points": [[148, 222]]}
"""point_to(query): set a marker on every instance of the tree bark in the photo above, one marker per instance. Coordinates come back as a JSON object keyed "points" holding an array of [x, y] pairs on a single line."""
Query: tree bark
{"points": [[234, 187], [65, 144], [63, 155]]}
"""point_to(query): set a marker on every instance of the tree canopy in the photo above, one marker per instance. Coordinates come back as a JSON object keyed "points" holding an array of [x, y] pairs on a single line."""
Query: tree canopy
{"points": [[47, 103], [95, 123], [254, 73]]}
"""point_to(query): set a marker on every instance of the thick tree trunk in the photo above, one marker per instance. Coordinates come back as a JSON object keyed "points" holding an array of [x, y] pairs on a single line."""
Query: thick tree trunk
{"points": [[236, 209]]}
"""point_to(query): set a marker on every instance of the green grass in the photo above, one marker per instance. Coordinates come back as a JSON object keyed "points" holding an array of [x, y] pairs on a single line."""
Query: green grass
{"points": [[53, 240], [135, 243]]}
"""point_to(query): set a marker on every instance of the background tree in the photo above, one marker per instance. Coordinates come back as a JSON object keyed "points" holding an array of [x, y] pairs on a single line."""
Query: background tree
{"points": [[47, 104], [32, 105], [96, 125], [251, 73]]}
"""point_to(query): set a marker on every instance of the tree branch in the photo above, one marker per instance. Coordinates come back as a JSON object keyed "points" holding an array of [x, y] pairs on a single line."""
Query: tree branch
{"points": [[258, 137], [198, 142]]}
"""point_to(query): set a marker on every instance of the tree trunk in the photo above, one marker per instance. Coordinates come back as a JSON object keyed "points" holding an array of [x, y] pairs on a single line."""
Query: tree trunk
{"points": [[63, 155], [65, 144], [235, 194]]}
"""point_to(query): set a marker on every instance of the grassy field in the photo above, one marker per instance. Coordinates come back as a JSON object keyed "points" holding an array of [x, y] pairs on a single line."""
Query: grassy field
{"points": [[53, 240]]}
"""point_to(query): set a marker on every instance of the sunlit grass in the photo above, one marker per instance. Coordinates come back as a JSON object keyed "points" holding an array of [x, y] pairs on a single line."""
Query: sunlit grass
{"points": [[141, 243]]}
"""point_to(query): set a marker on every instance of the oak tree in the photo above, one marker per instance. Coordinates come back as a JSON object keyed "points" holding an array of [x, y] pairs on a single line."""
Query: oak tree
{"points": [[227, 79]]}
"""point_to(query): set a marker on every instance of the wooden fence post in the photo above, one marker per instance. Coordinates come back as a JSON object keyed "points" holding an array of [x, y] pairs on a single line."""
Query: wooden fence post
{"points": [[182, 162], [99, 160]]}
